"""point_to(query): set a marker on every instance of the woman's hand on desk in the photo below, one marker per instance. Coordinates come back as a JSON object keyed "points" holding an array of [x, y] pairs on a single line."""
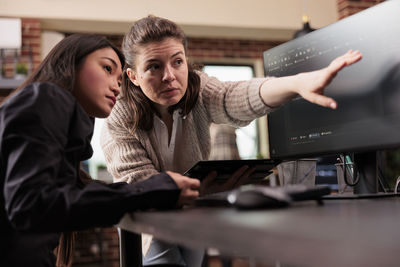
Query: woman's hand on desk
{"points": [[189, 188], [210, 185]]}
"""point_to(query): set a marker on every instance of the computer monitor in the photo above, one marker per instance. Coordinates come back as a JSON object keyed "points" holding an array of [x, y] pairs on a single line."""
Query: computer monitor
{"points": [[367, 118]]}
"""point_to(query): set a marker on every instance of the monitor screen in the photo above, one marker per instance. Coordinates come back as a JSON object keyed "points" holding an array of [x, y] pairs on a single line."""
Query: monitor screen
{"points": [[368, 93]]}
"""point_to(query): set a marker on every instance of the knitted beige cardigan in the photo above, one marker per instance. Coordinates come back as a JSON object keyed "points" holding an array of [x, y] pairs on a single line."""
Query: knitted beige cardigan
{"points": [[135, 157]]}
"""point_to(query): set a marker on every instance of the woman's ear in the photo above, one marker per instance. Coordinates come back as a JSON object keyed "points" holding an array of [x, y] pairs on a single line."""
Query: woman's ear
{"points": [[132, 76]]}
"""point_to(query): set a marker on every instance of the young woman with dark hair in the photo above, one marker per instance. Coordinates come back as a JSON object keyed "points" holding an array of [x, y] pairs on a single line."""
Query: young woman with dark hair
{"points": [[46, 127]]}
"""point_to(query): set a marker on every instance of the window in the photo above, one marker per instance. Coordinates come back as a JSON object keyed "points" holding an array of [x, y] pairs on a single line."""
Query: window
{"points": [[246, 137]]}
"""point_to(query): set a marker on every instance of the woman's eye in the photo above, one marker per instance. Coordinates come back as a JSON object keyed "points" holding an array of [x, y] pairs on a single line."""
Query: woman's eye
{"points": [[178, 61], [108, 69], [153, 67]]}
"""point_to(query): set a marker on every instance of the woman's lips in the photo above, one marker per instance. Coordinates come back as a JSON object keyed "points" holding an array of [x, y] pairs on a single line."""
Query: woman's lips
{"points": [[113, 99], [169, 91]]}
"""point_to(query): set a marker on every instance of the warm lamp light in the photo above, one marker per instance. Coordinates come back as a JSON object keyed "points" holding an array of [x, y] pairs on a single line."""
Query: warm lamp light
{"points": [[306, 28]]}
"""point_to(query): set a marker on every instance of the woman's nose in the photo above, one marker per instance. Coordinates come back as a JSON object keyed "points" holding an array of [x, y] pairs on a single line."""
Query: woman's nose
{"points": [[168, 74], [116, 88]]}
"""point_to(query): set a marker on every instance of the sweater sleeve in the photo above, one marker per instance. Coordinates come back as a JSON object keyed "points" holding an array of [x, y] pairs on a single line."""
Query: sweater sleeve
{"points": [[127, 159], [236, 103], [40, 192]]}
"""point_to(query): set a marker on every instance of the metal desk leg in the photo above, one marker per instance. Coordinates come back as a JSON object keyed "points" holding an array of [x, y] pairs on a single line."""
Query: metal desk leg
{"points": [[130, 249]]}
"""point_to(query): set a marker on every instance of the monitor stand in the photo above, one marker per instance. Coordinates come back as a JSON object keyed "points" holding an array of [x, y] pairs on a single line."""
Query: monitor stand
{"points": [[367, 166]]}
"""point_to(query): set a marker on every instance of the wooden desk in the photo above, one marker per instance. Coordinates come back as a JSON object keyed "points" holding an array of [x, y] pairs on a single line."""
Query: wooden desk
{"points": [[360, 232]]}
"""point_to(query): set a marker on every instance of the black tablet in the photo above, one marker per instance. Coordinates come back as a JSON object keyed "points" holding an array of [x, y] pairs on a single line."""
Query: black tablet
{"points": [[225, 168]]}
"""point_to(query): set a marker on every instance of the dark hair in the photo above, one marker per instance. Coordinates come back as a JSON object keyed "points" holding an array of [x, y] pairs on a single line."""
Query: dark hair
{"points": [[60, 67], [144, 31], [61, 64]]}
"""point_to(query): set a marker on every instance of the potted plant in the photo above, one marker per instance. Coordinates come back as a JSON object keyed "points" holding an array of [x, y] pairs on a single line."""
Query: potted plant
{"points": [[21, 70]]}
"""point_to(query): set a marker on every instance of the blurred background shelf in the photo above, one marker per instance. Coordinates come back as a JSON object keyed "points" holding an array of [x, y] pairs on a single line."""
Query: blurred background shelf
{"points": [[7, 85], [10, 84]]}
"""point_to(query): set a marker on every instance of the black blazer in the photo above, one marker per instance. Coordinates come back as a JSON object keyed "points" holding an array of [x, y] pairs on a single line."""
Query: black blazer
{"points": [[44, 134]]}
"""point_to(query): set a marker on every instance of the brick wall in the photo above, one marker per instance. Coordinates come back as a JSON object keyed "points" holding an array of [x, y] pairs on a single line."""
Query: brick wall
{"points": [[350, 7], [31, 40], [228, 48]]}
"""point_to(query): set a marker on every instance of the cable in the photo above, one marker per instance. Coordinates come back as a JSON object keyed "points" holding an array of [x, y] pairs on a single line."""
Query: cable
{"points": [[349, 167]]}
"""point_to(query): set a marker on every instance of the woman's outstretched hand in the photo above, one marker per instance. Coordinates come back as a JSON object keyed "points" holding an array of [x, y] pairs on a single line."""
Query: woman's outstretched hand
{"points": [[309, 85], [312, 84], [189, 188]]}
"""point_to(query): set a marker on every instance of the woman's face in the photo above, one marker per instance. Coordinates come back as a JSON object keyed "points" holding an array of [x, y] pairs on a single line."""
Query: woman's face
{"points": [[98, 82], [161, 72]]}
